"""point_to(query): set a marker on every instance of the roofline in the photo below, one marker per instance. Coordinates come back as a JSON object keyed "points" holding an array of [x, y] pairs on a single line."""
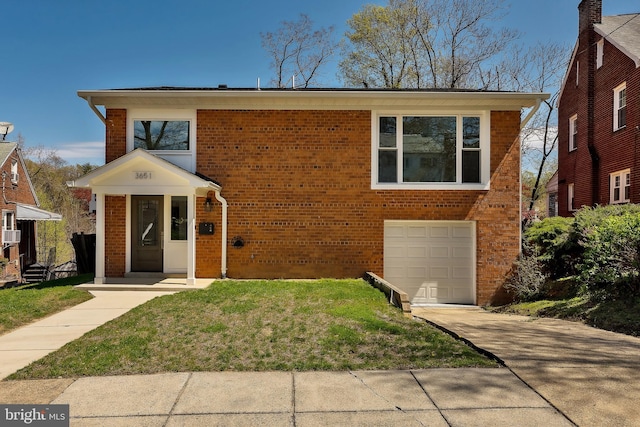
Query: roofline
{"points": [[328, 99], [617, 45]]}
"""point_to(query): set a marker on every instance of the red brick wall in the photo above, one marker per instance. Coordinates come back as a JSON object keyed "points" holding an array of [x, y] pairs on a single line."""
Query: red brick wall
{"points": [[116, 134], [21, 193], [115, 236], [616, 150], [298, 184]]}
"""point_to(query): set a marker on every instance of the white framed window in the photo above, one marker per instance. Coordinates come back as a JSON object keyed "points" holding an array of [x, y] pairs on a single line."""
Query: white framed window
{"points": [[620, 107], [577, 72], [169, 134], [179, 219], [573, 132], [14, 172], [10, 234], [620, 187], [599, 53], [571, 198], [430, 151]]}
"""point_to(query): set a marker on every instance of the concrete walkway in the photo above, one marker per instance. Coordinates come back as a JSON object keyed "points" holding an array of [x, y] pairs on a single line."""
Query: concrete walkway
{"points": [[34, 341], [590, 375]]}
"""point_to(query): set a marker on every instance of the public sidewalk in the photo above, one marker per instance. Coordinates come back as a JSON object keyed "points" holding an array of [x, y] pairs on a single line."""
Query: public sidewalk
{"points": [[590, 375], [430, 397]]}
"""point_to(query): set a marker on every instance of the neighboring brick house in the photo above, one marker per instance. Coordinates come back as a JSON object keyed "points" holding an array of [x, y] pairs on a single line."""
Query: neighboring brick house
{"points": [[599, 113], [20, 212], [421, 187]]}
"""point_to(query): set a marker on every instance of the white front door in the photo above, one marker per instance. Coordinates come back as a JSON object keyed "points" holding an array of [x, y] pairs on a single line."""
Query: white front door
{"points": [[433, 261]]}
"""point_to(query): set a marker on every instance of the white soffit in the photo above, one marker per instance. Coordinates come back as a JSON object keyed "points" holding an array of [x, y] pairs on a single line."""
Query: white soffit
{"points": [[293, 99]]}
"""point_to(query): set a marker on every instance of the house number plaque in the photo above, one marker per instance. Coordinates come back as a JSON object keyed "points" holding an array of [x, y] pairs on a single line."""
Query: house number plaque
{"points": [[142, 175]]}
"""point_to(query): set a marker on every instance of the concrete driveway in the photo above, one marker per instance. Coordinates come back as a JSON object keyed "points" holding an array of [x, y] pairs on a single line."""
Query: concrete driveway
{"points": [[590, 375]]}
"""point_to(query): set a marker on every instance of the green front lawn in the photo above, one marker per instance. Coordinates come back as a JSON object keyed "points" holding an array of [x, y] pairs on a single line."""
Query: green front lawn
{"points": [[259, 326], [22, 305]]}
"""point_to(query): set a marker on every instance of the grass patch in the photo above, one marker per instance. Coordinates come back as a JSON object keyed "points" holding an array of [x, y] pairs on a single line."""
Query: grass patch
{"points": [[22, 305], [616, 316], [259, 326]]}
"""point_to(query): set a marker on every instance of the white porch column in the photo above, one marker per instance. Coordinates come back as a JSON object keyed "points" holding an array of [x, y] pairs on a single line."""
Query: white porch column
{"points": [[100, 230], [191, 240]]}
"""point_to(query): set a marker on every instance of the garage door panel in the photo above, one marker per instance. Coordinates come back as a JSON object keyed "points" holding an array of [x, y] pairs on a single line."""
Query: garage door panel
{"points": [[394, 231], [433, 261], [461, 232], [417, 232], [461, 253], [438, 232], [439, 252], [438, 273], [461, 273]]}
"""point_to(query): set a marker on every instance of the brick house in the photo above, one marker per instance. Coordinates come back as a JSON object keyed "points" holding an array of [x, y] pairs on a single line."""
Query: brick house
{"points": [[20, 212], [420, 187], [599, 113]]}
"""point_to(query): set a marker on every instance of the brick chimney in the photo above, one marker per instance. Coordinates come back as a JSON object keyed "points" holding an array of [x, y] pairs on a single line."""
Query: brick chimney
{"points": [[590, 12]]}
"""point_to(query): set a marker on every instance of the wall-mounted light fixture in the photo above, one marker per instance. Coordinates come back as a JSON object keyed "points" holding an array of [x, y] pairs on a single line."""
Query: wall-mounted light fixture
{"points": [[208, 206]]}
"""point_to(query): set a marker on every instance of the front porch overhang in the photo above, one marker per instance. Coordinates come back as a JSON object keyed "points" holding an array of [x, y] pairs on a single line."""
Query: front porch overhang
{"points": [[142, 173]]}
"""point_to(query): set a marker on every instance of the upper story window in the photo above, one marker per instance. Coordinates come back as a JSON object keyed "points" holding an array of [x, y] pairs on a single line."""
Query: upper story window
{"points": [[430, 151], [571, 198], [573, 132], [14, 172], [599, 53], [169, 134], [620, 187], [620, 107], [577, 72], [161, 134]]}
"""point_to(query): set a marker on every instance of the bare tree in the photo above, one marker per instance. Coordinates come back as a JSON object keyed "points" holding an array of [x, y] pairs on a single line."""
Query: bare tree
{"points": [[537, 69], [424, 44], [297, 49]]}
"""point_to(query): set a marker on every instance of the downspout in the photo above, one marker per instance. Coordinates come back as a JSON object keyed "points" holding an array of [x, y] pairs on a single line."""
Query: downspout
{"points": [[95, 110], [224, 232]]}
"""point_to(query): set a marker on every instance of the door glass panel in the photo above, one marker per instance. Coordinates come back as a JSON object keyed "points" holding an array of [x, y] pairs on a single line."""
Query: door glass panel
{"points": [[148, 223], [179, 218]]}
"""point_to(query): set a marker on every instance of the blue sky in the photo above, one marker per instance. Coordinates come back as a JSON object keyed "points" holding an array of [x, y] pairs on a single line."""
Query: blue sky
{"points": [[50, 49]]}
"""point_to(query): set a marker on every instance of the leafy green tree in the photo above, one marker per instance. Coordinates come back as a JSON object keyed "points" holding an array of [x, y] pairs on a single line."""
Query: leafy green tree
{"points": [[49, 174]]}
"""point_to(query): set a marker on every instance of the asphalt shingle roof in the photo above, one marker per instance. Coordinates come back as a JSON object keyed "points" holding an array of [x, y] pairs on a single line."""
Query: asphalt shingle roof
{"points": [[624, 32]]}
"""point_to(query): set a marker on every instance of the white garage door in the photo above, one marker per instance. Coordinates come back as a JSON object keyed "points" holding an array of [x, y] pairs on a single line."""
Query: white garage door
{"points": [[432, 261]]}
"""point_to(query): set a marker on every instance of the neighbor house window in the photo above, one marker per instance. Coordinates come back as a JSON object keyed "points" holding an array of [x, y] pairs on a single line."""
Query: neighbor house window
{"points": [[179, 218], [620, 186], [570, 198], [573, 133], [599, 53], [620, 107], [9, 233], [427, 151], [161, 134]]}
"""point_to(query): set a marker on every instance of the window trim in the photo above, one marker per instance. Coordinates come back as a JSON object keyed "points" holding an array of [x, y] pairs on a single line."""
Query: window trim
{"points": [[625, 182], [616, 106], [485, 151], [573, 133]]}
